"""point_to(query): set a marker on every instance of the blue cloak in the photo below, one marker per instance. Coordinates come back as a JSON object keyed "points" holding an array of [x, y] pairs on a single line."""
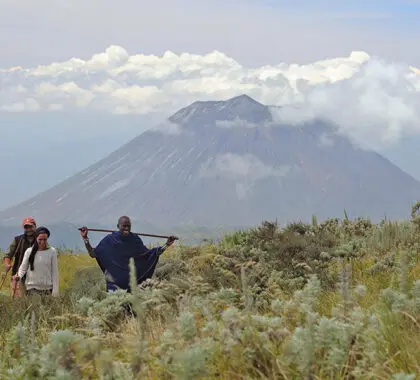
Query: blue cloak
{"points": [[113, 255]]}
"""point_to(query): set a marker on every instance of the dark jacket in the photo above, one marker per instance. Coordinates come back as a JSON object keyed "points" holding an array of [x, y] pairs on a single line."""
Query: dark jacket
{"points": [[17, 249]]}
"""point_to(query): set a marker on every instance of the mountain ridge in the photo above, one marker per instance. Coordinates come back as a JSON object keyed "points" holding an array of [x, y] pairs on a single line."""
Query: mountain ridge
{"points": [[228, 163], [249, 109]]}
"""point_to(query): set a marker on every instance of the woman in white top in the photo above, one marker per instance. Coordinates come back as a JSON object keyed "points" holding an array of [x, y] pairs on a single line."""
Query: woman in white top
{"points": [[40, 266]]}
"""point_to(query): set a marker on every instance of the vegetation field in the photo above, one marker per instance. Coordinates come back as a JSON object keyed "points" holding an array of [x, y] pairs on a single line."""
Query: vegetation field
{"points": [[332, 300]]}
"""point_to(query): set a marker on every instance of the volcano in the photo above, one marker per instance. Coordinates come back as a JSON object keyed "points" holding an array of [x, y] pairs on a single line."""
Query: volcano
{"points": [[228, 163]]}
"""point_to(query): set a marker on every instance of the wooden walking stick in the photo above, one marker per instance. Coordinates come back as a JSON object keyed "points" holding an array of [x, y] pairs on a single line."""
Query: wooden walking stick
{"points": [[20, 262], [135, 233], [14, 288], [4, 278]]}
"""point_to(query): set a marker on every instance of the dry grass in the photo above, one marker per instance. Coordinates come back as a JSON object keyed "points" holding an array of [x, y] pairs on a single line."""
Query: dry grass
{"points": [[249, 307]]}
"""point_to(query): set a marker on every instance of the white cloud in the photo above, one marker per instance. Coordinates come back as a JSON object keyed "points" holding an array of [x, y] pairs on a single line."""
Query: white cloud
{"points": [[376, 106], [168, 128], [236, 123], [245, 170], [373, 101], [26, 105], [326, 141], [239, 167]]}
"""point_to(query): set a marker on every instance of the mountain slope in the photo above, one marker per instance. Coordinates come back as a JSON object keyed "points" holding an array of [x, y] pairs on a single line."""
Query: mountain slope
{"points": [[228, 163]]}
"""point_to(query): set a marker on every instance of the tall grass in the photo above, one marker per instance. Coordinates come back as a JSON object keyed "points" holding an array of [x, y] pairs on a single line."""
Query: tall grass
{"points": [[331, 300]]}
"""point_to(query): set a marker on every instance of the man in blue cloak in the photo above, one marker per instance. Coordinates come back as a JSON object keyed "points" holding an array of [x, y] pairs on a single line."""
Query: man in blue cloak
{"points": [[114, 251]]}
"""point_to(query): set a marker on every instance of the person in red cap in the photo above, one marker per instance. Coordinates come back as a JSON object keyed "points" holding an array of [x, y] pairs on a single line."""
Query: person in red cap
{"points": [[17, 249]]}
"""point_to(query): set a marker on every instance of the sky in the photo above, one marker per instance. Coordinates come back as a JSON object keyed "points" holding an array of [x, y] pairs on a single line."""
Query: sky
{"points": [[254, 32], [88, 76]]}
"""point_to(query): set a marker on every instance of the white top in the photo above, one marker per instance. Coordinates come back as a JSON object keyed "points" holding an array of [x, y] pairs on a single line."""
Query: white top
{"points": [[45, 273]]}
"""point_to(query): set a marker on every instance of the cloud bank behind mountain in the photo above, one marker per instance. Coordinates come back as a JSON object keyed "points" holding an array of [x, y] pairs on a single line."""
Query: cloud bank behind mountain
{"points": [[373, 101]]}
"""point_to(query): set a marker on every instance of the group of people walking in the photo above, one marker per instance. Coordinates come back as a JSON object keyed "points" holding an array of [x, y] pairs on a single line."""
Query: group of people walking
{"points": [[35, 262]]}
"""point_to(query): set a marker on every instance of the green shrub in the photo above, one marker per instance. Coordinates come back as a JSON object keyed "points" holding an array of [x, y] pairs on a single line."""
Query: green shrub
{"points": [[332, 299]]}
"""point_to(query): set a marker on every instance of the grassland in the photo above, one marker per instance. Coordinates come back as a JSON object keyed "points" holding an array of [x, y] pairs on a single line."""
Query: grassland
{"points": [[332, 300]]}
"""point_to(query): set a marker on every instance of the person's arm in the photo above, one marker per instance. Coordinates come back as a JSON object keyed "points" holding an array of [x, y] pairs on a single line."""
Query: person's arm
{"points": [[162, 248], [157, 250], [169, 242], [25, 263], [54, 268], [84, 235], [89, 248], [10, 253]]}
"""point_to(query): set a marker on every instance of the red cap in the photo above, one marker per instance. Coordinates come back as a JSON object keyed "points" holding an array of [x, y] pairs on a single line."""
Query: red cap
{"points": [[29, 220]]}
